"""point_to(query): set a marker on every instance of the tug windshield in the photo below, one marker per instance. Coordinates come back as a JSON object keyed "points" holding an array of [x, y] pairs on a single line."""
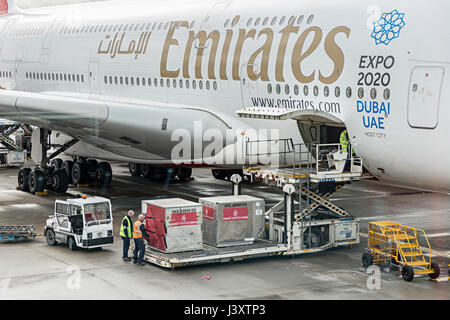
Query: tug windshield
{"points": [[97, 212]]}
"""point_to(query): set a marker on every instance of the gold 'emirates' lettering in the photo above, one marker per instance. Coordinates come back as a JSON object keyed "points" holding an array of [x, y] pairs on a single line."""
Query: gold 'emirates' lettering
{"points": [[203, 41]]}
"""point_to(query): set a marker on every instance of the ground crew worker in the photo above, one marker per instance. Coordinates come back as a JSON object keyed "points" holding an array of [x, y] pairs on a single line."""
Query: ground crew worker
{"points": [[344, 140], [139, 233], [126, 232]]}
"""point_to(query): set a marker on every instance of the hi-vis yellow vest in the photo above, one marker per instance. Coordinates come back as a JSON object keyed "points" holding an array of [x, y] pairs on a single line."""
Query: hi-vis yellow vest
{"points": [[122, 229], [344, 141]]}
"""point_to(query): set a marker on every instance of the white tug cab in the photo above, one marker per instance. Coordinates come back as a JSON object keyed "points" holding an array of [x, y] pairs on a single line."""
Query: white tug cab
{"points": [[81, 223]]}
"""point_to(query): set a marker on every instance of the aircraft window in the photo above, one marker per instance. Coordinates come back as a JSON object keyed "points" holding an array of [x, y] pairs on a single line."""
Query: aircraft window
{"points": [[154, 26], [310, 19], [168, 83], [78, 78], [142, 26], [227, 23], [161, 81], [257, 21], [215, 85], [316, 90], [296, 91], [65, 77], [92, 29], [149, 82], [282, 20], [149, 26], [361, 93], [387, 94], [143, 82], [26, 75], [136, 28], [208, 86], [249, 22], [138, 81], [174, 83], [106, 79], [373, 93], [156, 83], [160, 26], [287, 89], [53, 76], [291, 20], [45, 76], [126, 81], [121, 80], [266, 20], [278, 89], [305, 90], [235, 21], [96, 29], [101, 29], [110, 79], [181, 83], [337, 92], [132, 81], [274, 20], [126, 28], [187, 84], [194, 84], [349, 92], [115, 80], [115, 28], [269, 88], [166, 26], [326, 91]]}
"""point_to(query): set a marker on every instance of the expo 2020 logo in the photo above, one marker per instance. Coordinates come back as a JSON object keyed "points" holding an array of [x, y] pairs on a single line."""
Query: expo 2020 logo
{"points": [[388, 27]]}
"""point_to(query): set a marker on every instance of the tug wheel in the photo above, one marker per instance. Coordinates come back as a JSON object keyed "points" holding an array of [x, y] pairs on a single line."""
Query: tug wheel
{"points": [[50, 237]]}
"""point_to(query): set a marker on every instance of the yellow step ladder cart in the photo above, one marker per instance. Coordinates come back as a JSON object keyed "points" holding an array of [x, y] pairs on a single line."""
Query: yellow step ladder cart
{"points": [[390, 242]]}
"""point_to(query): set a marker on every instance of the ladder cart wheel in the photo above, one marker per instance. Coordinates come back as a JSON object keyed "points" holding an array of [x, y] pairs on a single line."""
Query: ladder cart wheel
{"points": [[436, 271], [71, 243], [50, 237], [408, 273], [367, 259]]}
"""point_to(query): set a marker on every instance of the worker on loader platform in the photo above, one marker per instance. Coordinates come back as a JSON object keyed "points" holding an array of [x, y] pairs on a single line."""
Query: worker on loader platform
{"points": [[139, 233], [344, 140], [126, 232]]}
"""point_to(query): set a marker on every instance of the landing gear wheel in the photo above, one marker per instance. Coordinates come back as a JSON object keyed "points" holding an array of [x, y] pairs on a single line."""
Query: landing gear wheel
{"points": [[218, 174], [367, 259], [315, 240], [79, 173], [60, 181], [56, 163], [135, 169], [408, 273], [159, 173], [67, 166], [104, 174], [36, 181], [22, 179], [71, 244], [437, 271], [50, 237], [184, 173], [146, 170]]}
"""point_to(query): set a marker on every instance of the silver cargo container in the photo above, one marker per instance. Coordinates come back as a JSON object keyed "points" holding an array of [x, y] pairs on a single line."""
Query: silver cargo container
{"points": [[232, 220], [174, 224]]}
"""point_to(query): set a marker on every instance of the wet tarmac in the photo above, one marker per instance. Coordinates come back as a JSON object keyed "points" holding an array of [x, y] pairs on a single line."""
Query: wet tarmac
{"points": [[33, 270]]}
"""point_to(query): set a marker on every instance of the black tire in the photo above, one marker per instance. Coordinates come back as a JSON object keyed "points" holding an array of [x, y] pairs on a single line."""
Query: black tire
{"points": [[159, 173], [367, 259], [71, 244], [36, 181], [79, 173], [184, 173], [67, 166], [60, 181], [408, 273], [218, 174], [56, 163], [316, 238], [147, 170], [437, 271], [104, 174], [51, 238], [135, 169], [22, 179]]}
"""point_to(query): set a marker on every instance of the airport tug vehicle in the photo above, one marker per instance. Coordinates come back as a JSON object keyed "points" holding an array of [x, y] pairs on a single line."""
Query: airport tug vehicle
{"points": [[238, 227], [390, 242], [81, 223]]}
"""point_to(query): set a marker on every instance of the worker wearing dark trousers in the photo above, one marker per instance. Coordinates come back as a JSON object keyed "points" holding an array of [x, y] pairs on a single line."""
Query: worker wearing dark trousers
{"points": [[139, 233], [126, 232]]}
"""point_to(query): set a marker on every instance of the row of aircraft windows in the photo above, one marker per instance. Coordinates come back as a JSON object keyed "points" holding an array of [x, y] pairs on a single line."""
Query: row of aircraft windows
{"points": [[116, 80], [5, 74], [326, 91], [54, 76], [156, 26]]}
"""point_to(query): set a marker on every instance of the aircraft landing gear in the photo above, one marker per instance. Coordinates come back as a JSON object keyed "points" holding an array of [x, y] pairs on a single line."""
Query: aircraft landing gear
{"points": [[221, 174], [90, 172], [159, 173]]}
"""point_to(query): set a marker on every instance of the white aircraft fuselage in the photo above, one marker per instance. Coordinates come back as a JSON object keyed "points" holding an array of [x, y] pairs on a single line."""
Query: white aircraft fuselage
{"points": [[122, 76]]}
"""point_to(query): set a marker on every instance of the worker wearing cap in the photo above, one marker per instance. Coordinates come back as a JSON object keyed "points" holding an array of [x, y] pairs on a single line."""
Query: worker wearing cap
{"points": [[344, 140], [139, 233], [126, 232]]}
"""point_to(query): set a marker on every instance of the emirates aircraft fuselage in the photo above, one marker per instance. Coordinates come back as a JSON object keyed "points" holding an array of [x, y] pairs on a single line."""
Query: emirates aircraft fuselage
{"points": [[381, 71]]}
